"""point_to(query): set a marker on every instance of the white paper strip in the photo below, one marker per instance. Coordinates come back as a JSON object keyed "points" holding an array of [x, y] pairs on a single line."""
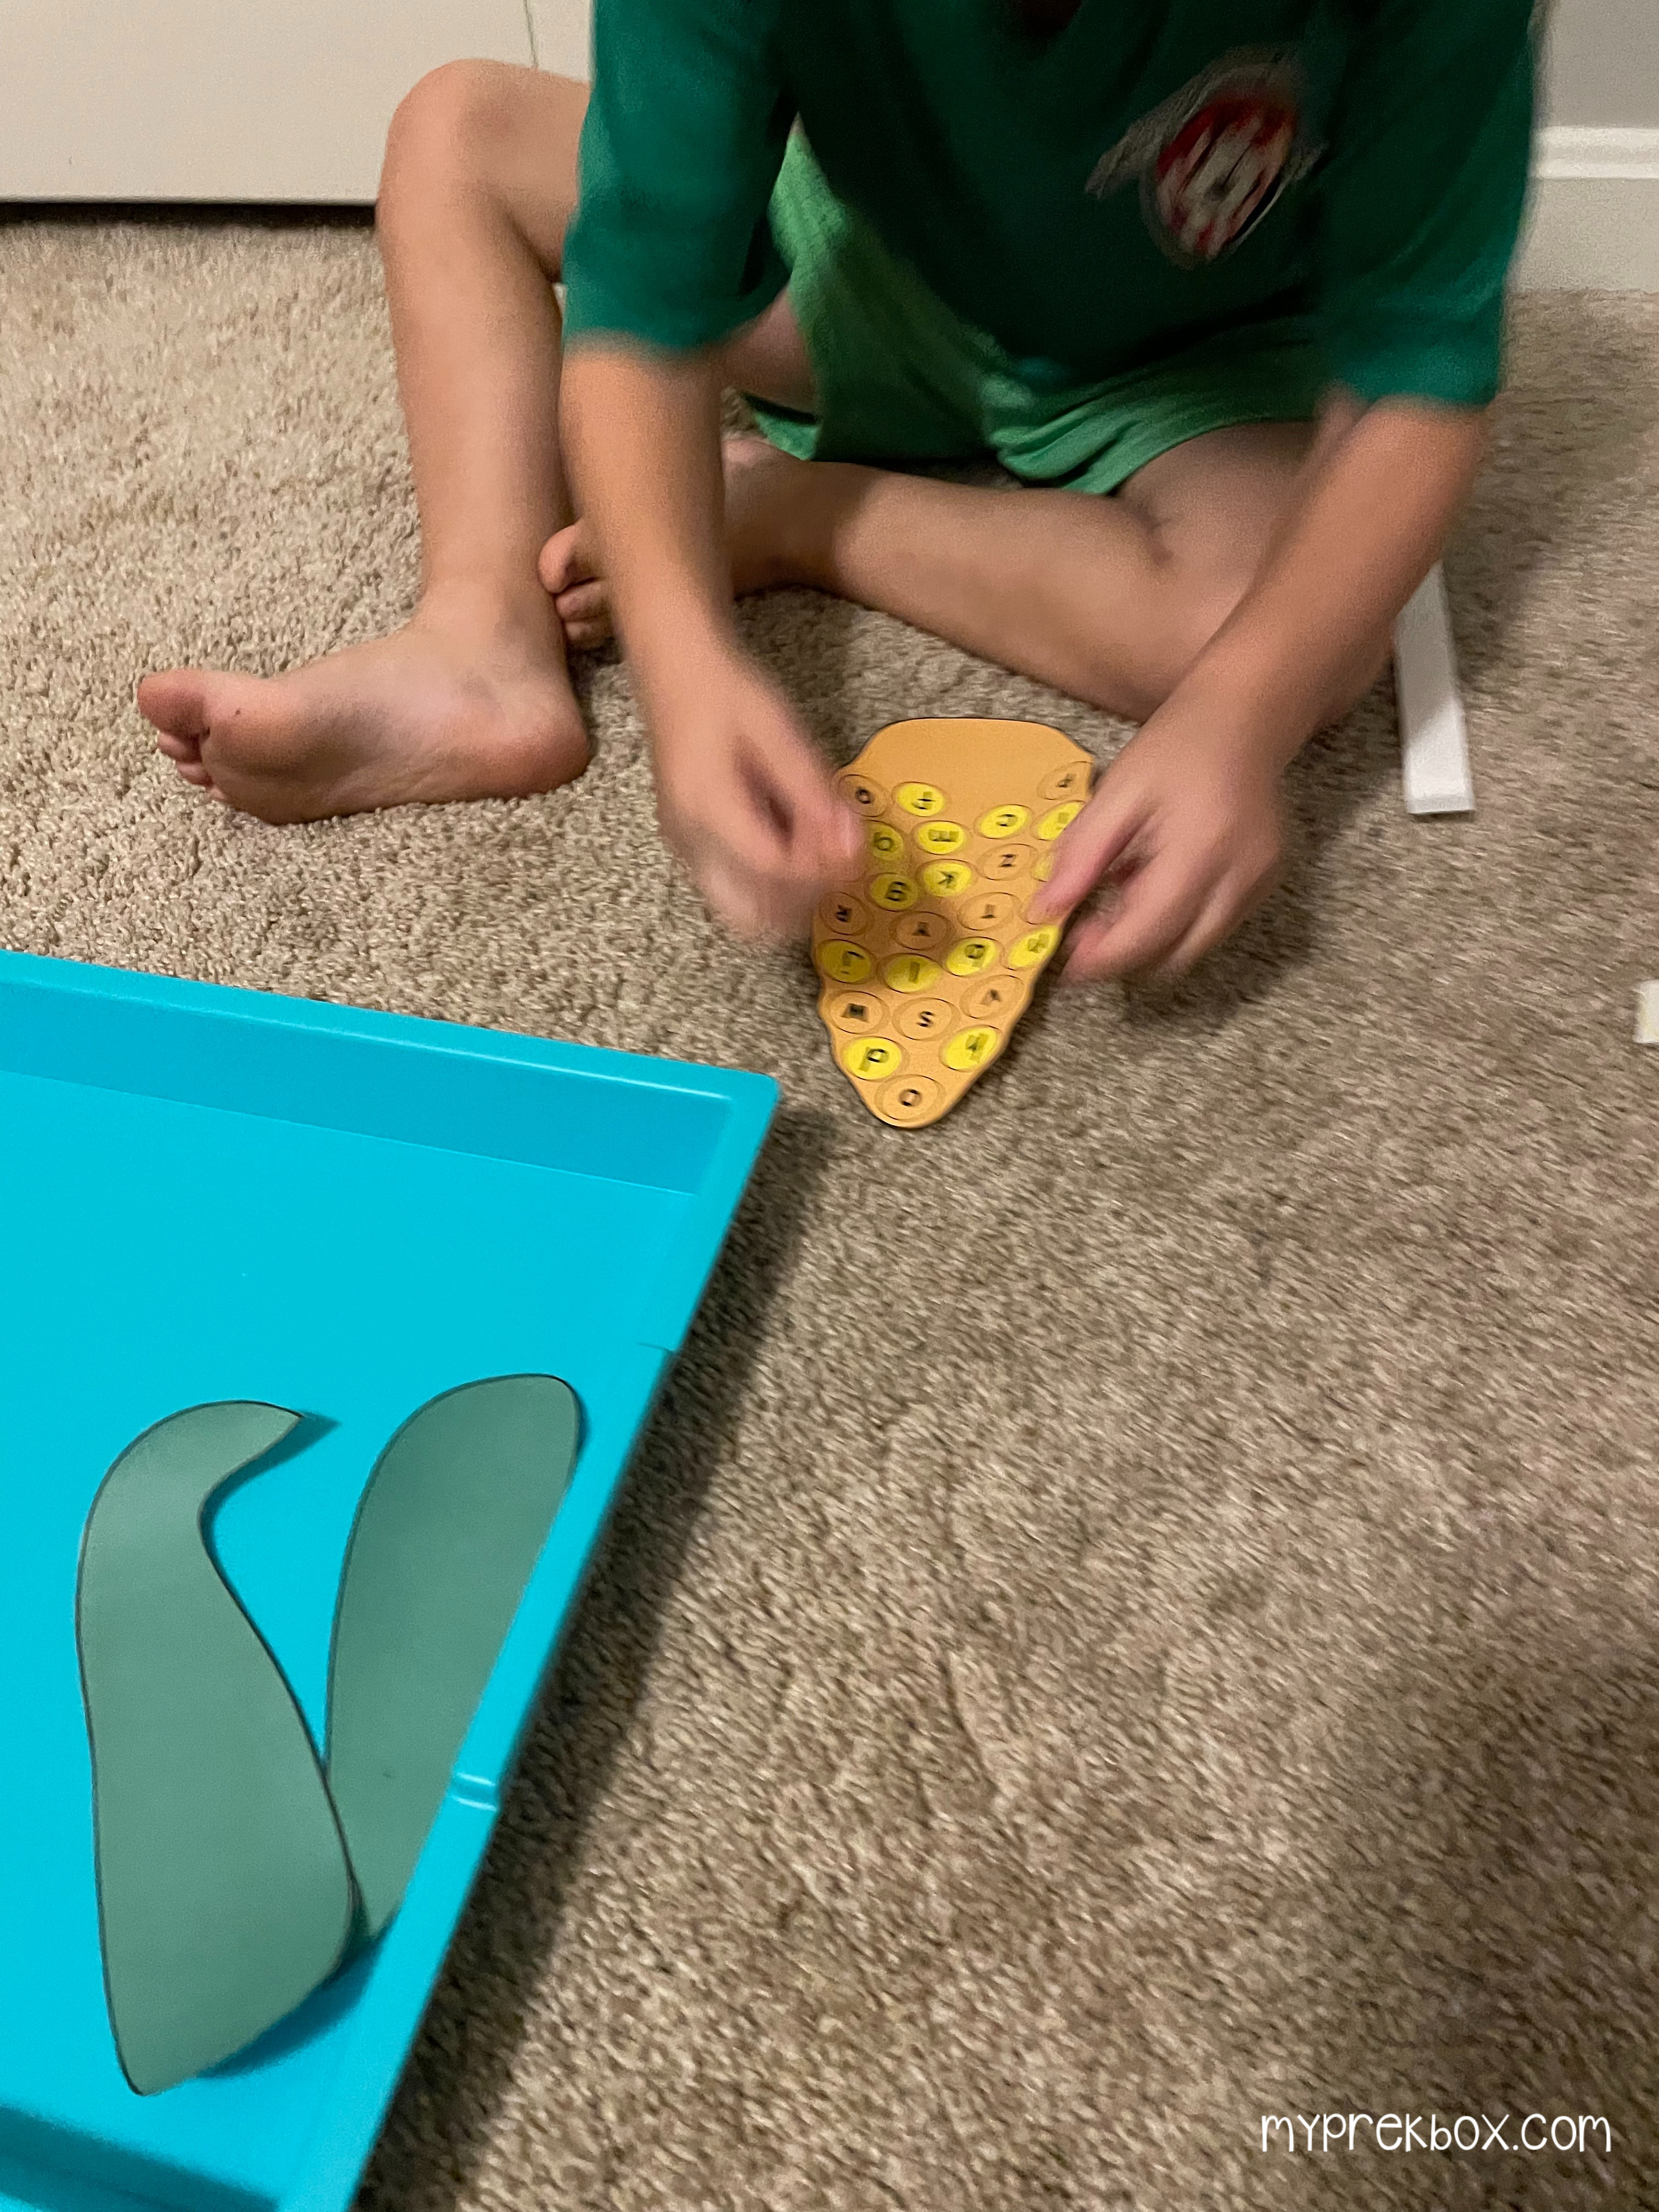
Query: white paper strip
{"points": [[1433, 737], [1647, 1013]]}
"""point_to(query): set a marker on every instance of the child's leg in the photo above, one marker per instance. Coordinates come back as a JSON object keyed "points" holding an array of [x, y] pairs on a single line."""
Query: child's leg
{"points": [[1110, 599], [471, 698]]}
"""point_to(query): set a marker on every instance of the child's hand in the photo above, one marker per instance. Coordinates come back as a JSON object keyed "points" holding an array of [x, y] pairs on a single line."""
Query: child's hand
{"points": [[745, 802], [1185, 833]]}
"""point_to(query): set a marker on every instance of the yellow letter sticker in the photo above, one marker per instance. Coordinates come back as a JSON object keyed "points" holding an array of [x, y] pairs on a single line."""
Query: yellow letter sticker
{"points": [[1036, 945], [872, 1058], [895, 893], [971, 955], [910, 972], [967, 1050], [843, 962]]}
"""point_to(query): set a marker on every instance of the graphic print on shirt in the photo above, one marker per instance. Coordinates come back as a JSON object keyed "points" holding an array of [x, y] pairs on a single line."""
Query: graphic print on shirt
{"points": [[1215, 156]]}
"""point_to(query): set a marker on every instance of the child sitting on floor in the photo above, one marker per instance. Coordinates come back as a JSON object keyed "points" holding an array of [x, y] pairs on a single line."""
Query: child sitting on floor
{"points": [[1218, 281]]}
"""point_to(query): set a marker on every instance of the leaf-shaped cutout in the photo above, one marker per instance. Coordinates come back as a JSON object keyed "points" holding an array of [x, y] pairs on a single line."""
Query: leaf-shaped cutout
{"points": [[451, 1524], [223, 1892]]}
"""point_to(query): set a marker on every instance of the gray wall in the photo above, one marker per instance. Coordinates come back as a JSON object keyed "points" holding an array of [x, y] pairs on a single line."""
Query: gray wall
{"points": [[1604, 62]]}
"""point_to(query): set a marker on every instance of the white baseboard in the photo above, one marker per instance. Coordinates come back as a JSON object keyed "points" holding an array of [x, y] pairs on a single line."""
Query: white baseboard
{"points": [[1594, 224]]}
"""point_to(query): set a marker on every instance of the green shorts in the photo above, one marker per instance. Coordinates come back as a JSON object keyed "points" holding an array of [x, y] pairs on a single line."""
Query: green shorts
{"points": [[903, 380]]}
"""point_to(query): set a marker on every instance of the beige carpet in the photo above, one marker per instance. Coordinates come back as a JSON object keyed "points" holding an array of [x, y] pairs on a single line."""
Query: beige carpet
{"points": [[1141, 1608]]}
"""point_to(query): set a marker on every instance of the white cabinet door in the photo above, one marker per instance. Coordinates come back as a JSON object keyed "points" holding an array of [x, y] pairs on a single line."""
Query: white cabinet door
{"points": [[221, 99]]}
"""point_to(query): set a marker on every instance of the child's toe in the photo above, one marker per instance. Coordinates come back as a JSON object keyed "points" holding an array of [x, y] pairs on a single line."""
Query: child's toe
{"points": [[562, 563], [175, 701]]}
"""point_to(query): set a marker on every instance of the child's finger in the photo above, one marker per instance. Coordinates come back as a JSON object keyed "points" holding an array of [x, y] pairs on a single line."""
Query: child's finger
{"points": [[1156, 907], [1226, 907], [715, 818], [749, 851], [733, 896], [1215, 919], [762, 909], [824, 832], [583, 602], [1100, 836], [748, 838]]}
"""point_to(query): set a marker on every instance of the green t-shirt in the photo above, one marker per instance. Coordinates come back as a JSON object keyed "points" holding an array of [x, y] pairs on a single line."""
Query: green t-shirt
{"points": [[1152, 174]]}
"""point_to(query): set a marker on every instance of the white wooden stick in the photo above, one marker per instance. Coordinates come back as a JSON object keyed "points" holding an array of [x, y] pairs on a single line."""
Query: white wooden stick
{"points": [[1433, 736]]}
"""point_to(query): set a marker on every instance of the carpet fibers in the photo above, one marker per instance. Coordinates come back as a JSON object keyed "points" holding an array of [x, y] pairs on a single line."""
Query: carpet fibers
{"points": [[1139, 1611]]}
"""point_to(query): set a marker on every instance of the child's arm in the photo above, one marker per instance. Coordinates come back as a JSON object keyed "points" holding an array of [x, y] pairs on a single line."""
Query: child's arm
{"points": [[1188, 817], [669, 253], [1418, 210], [743, 798]]}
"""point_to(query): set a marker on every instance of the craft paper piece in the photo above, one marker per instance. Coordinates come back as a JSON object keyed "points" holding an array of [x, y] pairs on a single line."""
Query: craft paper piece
{"points": [[223, 1893], [455, 1515], [929, 957]]}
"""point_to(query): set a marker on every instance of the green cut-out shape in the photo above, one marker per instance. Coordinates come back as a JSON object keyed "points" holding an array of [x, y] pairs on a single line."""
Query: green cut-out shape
{"points": [[454, 1517], [224, 1895]]}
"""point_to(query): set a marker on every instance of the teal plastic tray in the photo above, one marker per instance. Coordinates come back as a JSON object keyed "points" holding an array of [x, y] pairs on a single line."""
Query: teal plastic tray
{"points": [[207, 1194]]}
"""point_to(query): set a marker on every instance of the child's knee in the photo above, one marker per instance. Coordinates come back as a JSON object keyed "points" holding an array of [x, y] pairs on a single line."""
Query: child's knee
{"points": [[452, 115], [1192, 616]]}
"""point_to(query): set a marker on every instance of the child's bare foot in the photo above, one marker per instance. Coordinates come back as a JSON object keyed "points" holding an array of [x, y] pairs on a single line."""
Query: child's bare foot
{"points": [[455, 705], [770, 504]]}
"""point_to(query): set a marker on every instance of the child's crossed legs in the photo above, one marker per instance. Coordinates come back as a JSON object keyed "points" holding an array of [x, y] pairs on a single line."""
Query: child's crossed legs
{"points": [[1110, 599]]}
